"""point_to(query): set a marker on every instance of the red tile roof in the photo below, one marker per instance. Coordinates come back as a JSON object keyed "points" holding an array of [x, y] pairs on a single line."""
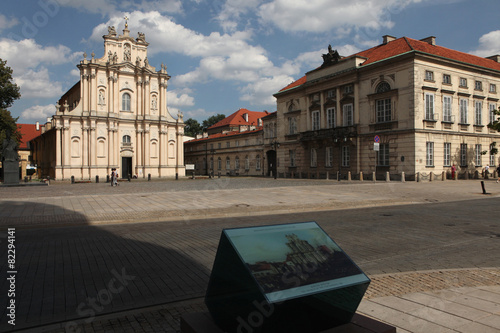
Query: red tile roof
{"points": [[224, 135], [28, 133], [405, 45], [237, 118]]}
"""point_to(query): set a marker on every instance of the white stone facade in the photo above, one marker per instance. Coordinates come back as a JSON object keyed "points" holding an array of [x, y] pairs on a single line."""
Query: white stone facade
{"points": [[116, 116]]}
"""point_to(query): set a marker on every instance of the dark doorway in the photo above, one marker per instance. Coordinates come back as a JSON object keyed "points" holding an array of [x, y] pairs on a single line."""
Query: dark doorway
{"points": [[126, 167], [271, 162]]}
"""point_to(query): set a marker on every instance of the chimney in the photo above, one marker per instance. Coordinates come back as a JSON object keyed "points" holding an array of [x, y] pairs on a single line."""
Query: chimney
{"points": [[245, 115], [430, 40], [388, 38], [37, 126], [495, 58]]}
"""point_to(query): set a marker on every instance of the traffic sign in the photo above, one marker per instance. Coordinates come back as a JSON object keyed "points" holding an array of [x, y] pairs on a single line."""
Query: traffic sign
{"points": [[376, 138], [376, 146]]}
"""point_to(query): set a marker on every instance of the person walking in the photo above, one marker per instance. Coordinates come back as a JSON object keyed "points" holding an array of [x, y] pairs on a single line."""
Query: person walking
{"points": [[113, 176]]}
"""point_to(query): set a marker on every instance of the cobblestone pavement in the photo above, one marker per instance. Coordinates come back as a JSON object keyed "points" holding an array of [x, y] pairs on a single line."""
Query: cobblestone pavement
{"points": [[419, 242]]}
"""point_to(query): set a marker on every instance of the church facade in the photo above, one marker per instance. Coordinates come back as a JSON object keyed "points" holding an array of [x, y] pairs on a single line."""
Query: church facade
{"points": [[116, 116]]}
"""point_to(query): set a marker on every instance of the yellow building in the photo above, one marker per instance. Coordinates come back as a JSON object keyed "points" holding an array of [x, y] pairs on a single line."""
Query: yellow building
{"points": [[405, 105]]}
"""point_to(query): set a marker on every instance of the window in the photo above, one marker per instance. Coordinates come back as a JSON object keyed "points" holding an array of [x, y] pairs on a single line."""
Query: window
{"points": [[477, 114], [314, 158], [292, 125], [331, 94], [383, 87], [126, 102], [315, 98], [228, 163], [493, 107], [429, 154], [228, 144], [493, 88], [219, 163], [237, 143], [477, 155], [75, 148], [292, 157], [315, 120], [330, 118], [348, 115], [463, 82], [447, 108], [478, 85], [383, 155], [492, 156], [348, 89], [463, 154], [257, 162], [447, 154], [345, 156], [446, 79], [219, 145], [429, 76], [154, 150], [126, 139], [247, 163], [383, 110], [211, 163], [429, 106], [237, 163], [329, 157], [211, 146], [463, 111]]}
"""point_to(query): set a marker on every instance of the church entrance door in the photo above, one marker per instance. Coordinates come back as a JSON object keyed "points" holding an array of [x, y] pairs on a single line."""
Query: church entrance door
{"points": [[126, 167]]}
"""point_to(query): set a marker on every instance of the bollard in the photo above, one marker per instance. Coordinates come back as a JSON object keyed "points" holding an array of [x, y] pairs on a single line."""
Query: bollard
{"points": [[418, 177], [431, 176], [128, 177], [361, 176], [338, 175], [349, 176], [374, 177], [97, 179], [443, 176], [48, 179], [403, 177], [328, 175], [482, 185], [149, 177], [107, 178], [193, 175], [387, 177], [72, 179], [176, 176], [218, 174]]}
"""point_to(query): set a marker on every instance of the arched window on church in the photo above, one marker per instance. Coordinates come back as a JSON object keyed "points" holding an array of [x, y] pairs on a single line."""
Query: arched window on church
{"points": [[126, 102], [126, 140]]}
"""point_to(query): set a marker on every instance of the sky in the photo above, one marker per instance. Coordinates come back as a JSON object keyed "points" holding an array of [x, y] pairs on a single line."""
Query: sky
{"points": [[223, 55]]}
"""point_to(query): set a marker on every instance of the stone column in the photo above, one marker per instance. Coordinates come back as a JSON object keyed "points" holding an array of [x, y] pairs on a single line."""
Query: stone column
{"points": [[138, 95]]}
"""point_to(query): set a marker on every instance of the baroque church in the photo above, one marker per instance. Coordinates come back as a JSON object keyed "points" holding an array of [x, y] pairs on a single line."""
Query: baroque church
{"points": [[116, 116]]}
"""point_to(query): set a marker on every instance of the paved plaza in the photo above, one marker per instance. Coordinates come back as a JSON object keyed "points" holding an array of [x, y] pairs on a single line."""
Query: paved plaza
{"points": [[96, 258]]}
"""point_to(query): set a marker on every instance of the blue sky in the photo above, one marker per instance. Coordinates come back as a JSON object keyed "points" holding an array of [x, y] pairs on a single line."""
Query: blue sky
{"points": [[223, 54]]}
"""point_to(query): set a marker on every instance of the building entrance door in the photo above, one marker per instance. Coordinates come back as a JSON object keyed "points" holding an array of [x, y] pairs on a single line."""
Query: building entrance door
{"points": [[126, 167], [271, 162]]}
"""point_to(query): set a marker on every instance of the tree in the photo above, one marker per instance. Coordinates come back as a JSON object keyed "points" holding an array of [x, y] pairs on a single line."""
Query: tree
{"points": [[212, 121], [9, 92], [496, 123], [192, 128]]}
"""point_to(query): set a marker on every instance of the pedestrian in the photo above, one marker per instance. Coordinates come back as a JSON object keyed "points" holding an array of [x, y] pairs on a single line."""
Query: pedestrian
{"points": [[116, 178], [453, 171], [498, 173], [486, 171], [113, 175]]}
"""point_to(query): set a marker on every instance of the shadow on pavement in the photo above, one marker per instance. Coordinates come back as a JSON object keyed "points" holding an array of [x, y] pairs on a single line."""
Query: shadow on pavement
{"points": [[77, 273]]}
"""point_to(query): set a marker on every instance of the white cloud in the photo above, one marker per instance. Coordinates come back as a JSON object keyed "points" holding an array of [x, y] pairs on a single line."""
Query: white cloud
{"points": [[37, 83], [6, 23], [179, 99], [325, 15], [489, 44], [29, 62], [232, 10], [39, 112], [261, 91]]}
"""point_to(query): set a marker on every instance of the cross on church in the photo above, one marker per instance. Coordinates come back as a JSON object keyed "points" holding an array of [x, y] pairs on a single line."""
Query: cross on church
{"points": [[126, 21]]}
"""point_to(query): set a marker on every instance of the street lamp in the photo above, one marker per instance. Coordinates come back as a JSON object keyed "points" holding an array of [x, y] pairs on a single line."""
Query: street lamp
{"points": [[275, 144], [212, 151]]}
